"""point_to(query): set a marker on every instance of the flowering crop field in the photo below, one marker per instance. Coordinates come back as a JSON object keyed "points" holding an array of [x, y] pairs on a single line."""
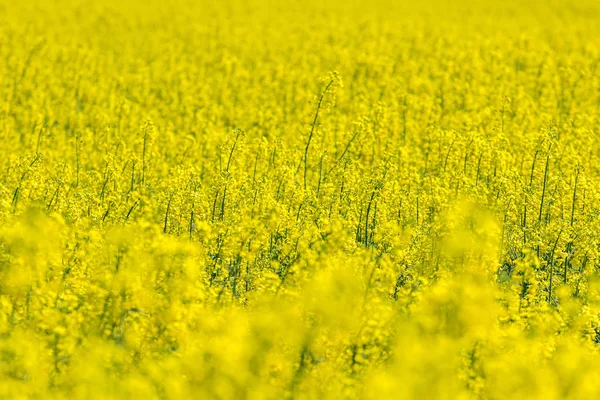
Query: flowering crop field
{"points": [[260, 199]]}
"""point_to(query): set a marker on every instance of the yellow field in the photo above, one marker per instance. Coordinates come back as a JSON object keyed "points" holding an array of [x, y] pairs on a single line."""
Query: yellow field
{"points": [[299, 199]]}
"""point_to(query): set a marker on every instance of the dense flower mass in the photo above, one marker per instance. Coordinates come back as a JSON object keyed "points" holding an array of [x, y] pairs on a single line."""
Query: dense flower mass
{"points": [[299, 199]]}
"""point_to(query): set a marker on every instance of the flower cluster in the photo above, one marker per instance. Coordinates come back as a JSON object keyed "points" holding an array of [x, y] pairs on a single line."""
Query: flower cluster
{"points": [[250, 200]]}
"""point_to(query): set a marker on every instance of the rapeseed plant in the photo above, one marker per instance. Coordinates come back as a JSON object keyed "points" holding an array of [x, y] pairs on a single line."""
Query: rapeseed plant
{"points": [[250, 200]]}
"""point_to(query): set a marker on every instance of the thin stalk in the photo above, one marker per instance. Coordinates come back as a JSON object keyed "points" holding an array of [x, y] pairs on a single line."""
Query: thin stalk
{"points": [[367, 219], [167, 214], [214, 207], [344, 152], [574, 198], [544, 189], [191, 226], [312, 130], [239, 132], [552, 267], [131, 210]]}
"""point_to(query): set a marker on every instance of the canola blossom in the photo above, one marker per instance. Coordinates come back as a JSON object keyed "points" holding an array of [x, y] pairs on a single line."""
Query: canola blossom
{"points": [[299, 199]]}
